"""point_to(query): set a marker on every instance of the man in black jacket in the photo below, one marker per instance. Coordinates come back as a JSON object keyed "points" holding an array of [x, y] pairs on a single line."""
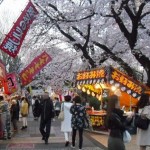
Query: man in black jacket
{"points": [[47, 113]]}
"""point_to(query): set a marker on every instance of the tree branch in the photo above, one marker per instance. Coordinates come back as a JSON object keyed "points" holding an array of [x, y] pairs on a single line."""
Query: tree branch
{"points": [[145, 14], [114, 57], [129, 12], [64, 18], [120, 24], [140, 10], [88, 35]]}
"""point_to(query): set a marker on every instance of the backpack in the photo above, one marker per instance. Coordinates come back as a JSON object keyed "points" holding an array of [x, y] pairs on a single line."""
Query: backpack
{"points": [[141, 122]]}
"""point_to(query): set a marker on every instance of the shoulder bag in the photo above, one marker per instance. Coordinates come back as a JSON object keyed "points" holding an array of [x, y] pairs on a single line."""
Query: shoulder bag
{"points": [[61, 114], [87, 122], [141, 122], [126, 137]]}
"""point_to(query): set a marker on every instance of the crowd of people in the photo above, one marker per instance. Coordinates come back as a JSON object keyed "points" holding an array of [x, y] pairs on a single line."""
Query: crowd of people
{"points": [[10, 110], [117, 122], [74, 118], [45, 108]]}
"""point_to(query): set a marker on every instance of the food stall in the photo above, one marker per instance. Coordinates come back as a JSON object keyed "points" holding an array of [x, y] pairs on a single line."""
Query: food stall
{"points": [[102, 82], [2, 81], [8, 85]]}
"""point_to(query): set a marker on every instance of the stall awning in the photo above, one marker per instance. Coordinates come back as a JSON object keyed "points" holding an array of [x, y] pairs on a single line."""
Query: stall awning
{"points": [[111, 77], [91, 76]]}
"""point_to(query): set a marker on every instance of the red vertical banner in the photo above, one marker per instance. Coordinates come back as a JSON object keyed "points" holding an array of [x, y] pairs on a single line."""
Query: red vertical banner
{"points": [[11, 85], [13, 40], [2, 74], [34, 67]]}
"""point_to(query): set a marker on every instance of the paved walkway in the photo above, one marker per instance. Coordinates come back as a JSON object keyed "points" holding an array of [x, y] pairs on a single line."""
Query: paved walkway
{"points": [[30, 138], [102, 138]]}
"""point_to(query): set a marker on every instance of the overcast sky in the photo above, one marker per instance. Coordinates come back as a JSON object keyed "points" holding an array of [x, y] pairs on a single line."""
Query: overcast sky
{"points": [[10, 10], [13, 4]]}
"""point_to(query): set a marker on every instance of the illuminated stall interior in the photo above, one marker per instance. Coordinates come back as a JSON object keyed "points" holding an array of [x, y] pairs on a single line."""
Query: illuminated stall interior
{"points": [[108, 80], [102, 82]]}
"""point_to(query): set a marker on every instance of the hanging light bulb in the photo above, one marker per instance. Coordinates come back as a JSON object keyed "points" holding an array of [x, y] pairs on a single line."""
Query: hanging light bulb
{"points": [[100, 97], [93, 94], [83, 89], [88, 92], [97, 86], [97, 96], [113, 88], [79, 87]]}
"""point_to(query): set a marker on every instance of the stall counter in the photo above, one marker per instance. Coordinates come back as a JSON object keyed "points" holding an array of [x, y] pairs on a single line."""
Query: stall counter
{"points": [[97, 119]]}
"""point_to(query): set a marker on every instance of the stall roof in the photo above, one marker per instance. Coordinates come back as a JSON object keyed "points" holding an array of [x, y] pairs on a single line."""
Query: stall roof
{"points": [[113, 77]]}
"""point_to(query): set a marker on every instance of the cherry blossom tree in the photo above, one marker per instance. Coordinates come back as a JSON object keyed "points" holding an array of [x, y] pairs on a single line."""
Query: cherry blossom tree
{"points": [[105, 32], [137, 32], [84, 34], [12, 65], [1, 1]]}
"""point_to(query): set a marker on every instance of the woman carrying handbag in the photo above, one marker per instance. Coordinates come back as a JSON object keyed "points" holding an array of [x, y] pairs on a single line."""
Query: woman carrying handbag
{"points": [[115, 123], [143, 108], [66, 122], [78, 112]]}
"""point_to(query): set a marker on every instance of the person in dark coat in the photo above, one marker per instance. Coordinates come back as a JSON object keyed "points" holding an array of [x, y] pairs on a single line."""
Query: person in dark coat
{"points": [[17, 98], [33, 104], [115, 122], [14, 114], [78, 112], [47, 113], [57, 106], [36, 109]]}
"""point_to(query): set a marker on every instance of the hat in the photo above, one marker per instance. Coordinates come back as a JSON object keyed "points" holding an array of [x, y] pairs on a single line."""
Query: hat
{"points": [[1, 98], [45, 96], [14, 101], [67, 98]]}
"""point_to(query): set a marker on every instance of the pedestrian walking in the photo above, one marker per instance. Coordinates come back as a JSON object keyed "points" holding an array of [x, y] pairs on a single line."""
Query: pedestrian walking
{"points": [[17, 98], [78, 112], [1, 127], [115, 123], [47, 113], [33, 104], [24, 112], [14, 114], [143, 108], [36, 108], [66, 123], [57, 106]]}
